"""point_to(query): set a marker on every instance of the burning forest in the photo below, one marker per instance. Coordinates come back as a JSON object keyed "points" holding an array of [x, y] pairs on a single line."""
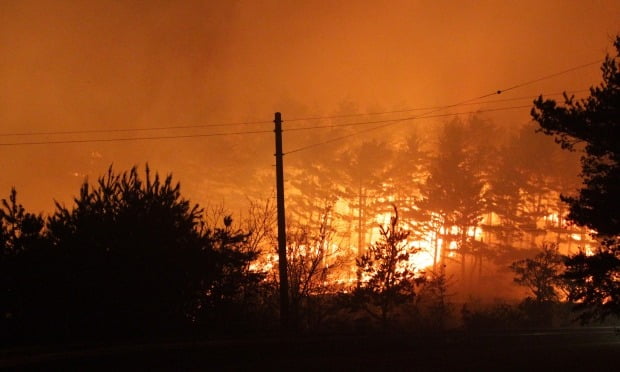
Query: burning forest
{"points": [[445, 181]]}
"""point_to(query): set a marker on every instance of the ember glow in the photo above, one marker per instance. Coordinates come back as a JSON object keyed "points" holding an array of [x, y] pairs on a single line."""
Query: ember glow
{"points": [[114, 71]]}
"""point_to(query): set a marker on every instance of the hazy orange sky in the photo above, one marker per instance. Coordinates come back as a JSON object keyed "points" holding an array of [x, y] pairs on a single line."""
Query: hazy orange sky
{"points": [[74, 65]]}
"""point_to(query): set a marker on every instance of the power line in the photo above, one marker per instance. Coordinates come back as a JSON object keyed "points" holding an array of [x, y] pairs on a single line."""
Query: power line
{"points": [[521, 98], [125, 130], [121, 130], [386, 123], [338, 138], [542, 78], [546, 77], [422, 116], [551, 76], [466, 103], [126, 139], [441, 108], [199, 126], [212, 125]]}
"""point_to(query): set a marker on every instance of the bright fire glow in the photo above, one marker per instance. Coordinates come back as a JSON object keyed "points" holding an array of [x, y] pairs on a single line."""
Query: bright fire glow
{"points": [[425, 247]]}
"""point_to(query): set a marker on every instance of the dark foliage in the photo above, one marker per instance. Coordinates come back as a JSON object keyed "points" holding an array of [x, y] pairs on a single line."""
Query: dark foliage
{"points": [[497, 316], [386, 280], [130, 259], [594, 282], [527, 314], [19, 231], [310, 261], [595, 123], [230, 298], [433, 300], [541, 274], [18, 228]]}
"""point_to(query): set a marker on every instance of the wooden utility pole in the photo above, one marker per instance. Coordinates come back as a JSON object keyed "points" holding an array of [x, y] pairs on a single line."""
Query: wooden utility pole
{"points": [[282, 262]]}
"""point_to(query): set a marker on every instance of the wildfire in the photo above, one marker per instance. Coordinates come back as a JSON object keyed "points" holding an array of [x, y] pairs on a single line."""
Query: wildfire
{"points": [[426, 246], [421, 256]]}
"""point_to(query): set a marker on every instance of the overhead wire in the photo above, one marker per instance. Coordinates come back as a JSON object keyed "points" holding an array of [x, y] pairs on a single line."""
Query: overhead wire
{"points": [[119, 130], [423, 116], [309, 118], [129, 130], [385, 122], [211, 125], [127, 139], [441, 108], [299, 149], [551, 75]]}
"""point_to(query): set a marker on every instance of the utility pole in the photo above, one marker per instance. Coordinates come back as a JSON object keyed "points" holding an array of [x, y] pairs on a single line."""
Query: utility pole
{"points": [[282, 262]]}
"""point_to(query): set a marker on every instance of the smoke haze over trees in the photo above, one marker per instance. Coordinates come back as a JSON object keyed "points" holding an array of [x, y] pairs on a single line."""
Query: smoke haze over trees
{"points": [[135, 241], [421, 198], [70, 66]]}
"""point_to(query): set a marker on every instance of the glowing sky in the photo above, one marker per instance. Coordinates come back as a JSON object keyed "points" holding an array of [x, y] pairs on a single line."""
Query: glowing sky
{"points": [[73, 65]]}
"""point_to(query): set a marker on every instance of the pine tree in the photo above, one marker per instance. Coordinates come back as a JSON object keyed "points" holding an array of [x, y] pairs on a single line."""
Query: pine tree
{"points": [[592, 124]]}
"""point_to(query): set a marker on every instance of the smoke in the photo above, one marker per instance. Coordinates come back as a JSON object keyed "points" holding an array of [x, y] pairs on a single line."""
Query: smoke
{"points": [[76, 65]]}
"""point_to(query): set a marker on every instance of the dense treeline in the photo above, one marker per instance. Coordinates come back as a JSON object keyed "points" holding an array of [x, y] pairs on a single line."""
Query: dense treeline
{"points": [[470, 196], [130, 258], [471, 200], [486, 201]]}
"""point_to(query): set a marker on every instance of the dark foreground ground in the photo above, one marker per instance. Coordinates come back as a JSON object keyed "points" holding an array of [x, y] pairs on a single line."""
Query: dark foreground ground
{"points": [[585, 349]]}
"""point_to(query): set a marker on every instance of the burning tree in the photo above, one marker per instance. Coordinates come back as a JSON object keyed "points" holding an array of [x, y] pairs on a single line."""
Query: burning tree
{"points": [[314, 264], [453, 194], [366, 169], [312, 261], [387, 279]]}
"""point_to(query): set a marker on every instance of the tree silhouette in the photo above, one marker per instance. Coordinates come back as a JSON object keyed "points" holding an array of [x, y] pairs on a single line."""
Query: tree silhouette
{"points": [[593, 123], [364, 173], [433, 299], [453, 193], [387, 279], [528, 176], [404, 178], [592, 282], [313, 260], [541, 273], [20, 232], [505, 194], [130, 258], [19, 229]]}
